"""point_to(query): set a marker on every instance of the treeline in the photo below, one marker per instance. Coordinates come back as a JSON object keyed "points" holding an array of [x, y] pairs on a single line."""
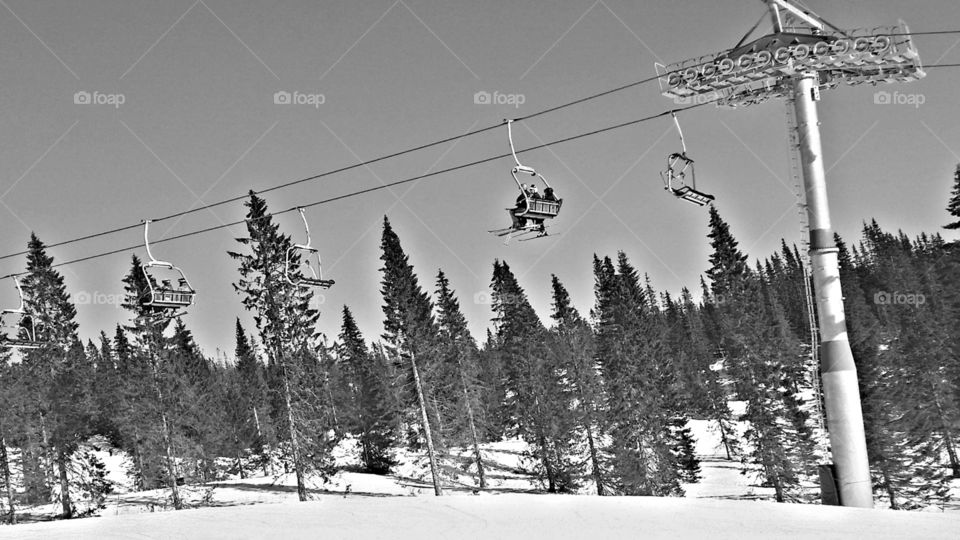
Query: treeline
{"points": [[602, 399]]}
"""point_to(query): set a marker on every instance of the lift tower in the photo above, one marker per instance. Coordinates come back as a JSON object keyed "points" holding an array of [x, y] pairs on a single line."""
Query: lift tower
{"points": [[804, 55]]}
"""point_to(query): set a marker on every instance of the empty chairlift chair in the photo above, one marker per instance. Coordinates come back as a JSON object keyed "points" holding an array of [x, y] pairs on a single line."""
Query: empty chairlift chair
{"points": [[300, 270], [680, 178]]}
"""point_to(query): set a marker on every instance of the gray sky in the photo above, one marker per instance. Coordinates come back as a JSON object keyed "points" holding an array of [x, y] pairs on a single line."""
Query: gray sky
{"points": [[198, 124]]}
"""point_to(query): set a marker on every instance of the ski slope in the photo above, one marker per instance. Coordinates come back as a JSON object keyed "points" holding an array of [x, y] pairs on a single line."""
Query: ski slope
{"points": [[724, 504], [507, 516]]}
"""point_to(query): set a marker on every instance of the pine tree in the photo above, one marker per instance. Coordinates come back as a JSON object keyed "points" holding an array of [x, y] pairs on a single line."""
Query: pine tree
{"points": [[953, 207], [370, 415], [253, 394], [461, 357], [575, 346], [150, 371], [728, 266], [759, 352], [537, 398], [286, 325], [643, 404], [409, 329], [63, 375]]}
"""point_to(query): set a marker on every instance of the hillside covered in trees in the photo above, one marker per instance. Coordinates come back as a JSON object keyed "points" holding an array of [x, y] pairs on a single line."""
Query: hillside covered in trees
{"points": [[601, 399]]}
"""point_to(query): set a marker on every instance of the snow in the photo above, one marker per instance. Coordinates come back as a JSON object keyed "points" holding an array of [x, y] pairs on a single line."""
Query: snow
{"points": [[724, 504], [507, 516]]}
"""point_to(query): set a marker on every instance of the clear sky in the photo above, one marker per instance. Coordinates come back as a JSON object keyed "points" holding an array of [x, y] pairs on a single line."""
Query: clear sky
{"points": [[198, 123]]}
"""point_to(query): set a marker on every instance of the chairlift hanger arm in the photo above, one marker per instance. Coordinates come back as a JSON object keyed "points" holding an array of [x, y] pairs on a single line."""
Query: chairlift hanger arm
{"points": [[520, 167], [146, 243], [306, 227], [676, 122]]}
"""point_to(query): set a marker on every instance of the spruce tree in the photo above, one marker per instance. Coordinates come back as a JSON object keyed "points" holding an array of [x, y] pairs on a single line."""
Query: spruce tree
{"points": [[575, 346], [369, 414], [410, 330], [286, 325], [538, 397], [62, 373], [953, 207], [460, 356]]}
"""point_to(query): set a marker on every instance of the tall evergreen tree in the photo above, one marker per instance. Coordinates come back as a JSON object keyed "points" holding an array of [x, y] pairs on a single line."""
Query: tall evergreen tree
{"points": [[369, 413], [460, 356], [410, 330], [537, 399], [953, 207], [574, 342], [63, 374], [286, 325]]}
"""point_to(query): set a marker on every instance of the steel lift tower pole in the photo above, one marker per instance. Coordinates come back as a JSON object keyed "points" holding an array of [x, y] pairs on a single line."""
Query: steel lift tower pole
{"points": [[841, 393], [802, 56]]}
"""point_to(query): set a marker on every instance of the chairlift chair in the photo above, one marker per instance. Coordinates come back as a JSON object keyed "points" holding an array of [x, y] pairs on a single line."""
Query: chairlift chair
{"points": [[536, 210], [680, 178], [294, 274], [162, 296], [25, 336]]}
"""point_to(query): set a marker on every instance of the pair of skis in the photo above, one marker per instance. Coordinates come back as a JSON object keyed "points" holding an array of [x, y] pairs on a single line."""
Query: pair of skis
{"points": [[523, 234]]}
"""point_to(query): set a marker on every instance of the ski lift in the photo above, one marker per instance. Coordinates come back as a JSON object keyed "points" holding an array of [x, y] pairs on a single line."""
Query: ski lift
{"points": [[680, 178], [25, 336], [162, 296], [295, 276], [532, 209]]}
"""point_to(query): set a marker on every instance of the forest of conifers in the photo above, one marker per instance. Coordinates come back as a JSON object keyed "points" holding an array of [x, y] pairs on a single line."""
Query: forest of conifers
{"points": [[602, 399]]}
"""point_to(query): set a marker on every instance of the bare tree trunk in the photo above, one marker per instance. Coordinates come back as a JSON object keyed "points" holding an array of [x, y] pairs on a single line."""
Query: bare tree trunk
{"points": [[47, 468], [268, 464], [725, 439], [595, 462], [168, 450], [545, 450], [473, 429], [141, 480], [165, 433], [440, 429], [294, 442], [951, 452], [65, 503], [947, 438], [434, 471], [594, 458], [7, 482]]}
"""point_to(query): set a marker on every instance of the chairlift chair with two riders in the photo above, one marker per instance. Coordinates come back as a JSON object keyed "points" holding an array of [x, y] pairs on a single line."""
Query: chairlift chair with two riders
{"points": [[532, 209], [163, 300], [294, 271], [24, 334], [680, 178]]}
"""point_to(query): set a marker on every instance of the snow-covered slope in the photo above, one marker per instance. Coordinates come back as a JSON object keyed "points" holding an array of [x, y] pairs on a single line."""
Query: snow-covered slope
{"points": [[507, 516]]}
